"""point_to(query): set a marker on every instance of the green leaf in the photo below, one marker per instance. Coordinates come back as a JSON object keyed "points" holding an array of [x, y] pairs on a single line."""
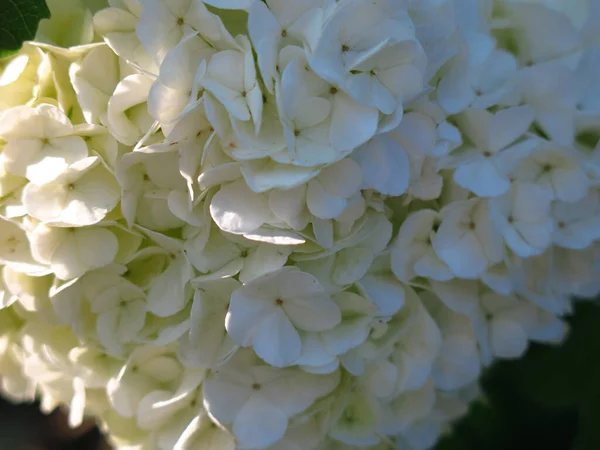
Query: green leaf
{"points": [[19, 21]]}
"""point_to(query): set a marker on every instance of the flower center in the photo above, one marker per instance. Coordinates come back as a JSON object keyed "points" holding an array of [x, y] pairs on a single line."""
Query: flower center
{"points": [[256, 387], [180, 21], [279, 302]]}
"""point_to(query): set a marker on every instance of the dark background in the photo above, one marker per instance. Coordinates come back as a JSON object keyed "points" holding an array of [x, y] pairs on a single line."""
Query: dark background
{"points": [[550, 400]]}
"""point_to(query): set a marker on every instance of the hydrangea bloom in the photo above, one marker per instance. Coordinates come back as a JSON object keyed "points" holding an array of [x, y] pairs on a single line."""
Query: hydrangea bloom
{"points": [[293, 225]]}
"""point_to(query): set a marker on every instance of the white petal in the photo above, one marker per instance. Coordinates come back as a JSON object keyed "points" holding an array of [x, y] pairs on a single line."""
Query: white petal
{"points": [[312, 312], [259, 423], [322, 204], [236, 209], [244, 315], [276, 340], [351, 124], [482, 178], [385, 291], [385, 165]]}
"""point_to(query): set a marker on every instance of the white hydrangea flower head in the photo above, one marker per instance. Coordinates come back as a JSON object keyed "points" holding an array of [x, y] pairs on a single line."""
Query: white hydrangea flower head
{"points": [[293, 225]]}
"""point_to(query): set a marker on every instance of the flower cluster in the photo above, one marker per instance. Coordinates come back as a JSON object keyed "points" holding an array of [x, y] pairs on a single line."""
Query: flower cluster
{"points": [[294, 225]]}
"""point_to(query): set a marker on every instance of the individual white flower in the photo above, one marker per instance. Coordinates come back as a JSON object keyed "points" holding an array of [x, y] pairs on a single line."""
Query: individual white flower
{"points": [[425, 432], [381, 286], [510, 323], [218, 254], [308, 112], [82, 195], [259, 400], [41, 142], [116, 24], [385, 165], [276, 22], [550, 90], [15, 249], [231, 77], [466, 239], [161, 25], [557, 170], [576, 11], [416, 345], [207, 344], [412, 356], [235, 208], [320, 351], [449, 138], [175, 86], [418, 135], [71, 252], [370, 51], [146, 177], [413, 254], [436, 30], [121, 313], [166, 414], [147, 371], [31, 292], [169, 290], [484, 165], [575, 270], [522, 216], [265, 313], [458, 363], [349, 260], [94, 79], [326, 196], [25, 78], [358, 419], [479, 77], [127, 115], [576, 224], [535, 279], [544, 34]]}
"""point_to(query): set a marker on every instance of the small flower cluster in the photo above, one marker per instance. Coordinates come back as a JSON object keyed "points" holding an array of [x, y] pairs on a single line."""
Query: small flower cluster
{"points": [[294, 225]]}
